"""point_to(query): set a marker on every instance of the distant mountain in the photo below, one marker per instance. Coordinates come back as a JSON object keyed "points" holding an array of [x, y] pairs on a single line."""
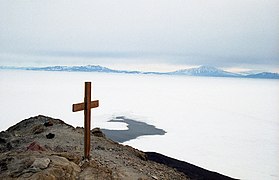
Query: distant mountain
{"points": [[245, 73], [88, 68], [205, 71], [264, 75]]}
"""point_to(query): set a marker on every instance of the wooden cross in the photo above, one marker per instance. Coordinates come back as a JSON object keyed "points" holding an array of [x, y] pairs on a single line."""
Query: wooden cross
{"points": [[86, 106]]}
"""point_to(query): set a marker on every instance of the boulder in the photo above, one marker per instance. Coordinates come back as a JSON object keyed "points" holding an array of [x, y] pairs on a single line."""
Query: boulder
{"points": [[40, 163], [97, 132]]}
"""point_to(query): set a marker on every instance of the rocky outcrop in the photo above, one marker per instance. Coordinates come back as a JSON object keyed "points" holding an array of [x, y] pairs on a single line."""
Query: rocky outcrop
{"points": [[45, 148]]}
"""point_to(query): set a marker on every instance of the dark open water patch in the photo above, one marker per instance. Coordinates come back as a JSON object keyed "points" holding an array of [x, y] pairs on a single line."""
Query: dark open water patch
{"points": [[135, 129], [192, 171]]}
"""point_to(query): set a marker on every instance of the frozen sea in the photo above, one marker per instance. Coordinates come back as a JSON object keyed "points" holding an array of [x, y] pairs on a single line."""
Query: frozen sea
{"points": [[228, 125]]}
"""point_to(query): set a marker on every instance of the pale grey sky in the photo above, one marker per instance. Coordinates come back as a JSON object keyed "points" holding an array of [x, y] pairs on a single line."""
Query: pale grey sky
{"points": [[222, 33]]}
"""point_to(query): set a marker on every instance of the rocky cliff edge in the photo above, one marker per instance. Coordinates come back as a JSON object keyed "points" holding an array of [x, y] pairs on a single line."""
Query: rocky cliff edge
{"points": [[45, 148]]}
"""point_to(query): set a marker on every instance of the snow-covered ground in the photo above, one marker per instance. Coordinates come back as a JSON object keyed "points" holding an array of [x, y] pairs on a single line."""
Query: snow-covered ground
{"points": [[227, 125]]}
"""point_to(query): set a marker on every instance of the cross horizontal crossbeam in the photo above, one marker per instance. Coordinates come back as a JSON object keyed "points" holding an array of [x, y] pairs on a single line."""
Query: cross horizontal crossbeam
{"points": [[81, 106]]}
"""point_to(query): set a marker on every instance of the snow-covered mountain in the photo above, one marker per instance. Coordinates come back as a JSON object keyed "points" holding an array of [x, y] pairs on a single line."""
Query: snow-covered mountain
{"points": [[88, 68], [205, 71], [264, 75], [200, 71], [245, 73]]}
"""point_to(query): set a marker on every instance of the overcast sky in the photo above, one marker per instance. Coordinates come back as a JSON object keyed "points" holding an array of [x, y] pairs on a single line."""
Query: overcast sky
{"points": [[222, 33]]}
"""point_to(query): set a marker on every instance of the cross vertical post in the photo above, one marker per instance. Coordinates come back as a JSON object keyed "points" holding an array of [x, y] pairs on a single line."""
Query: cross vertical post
{"points": [[86, 106], [87, 115]]}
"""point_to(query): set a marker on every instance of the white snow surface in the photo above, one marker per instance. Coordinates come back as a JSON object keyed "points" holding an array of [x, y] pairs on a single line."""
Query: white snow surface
{"points": [[228, 125]]}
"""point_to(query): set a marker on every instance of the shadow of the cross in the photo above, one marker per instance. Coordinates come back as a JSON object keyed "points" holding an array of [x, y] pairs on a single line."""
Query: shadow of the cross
{"points": [[135, 129]]}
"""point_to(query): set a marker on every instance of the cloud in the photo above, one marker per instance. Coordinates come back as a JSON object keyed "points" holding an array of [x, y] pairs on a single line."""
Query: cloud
{"points": [[222, 32]]}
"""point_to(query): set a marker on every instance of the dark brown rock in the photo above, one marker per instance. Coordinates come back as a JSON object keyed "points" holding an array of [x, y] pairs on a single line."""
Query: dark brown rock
{"points": [[48, 123], [50, 136], [97, 132], [38, 129]]}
